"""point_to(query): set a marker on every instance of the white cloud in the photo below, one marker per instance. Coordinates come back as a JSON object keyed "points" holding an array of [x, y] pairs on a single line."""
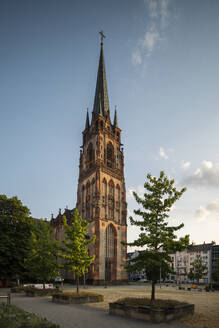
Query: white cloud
{"points": [[152, 6], [139, 190], [130, 192], [162, 153], [201, 213], [213, 206], [207, 175], [136, 57], [210, 209], [156, 22], [164, 12], [185, 165], [207, 164], [150, 40]]}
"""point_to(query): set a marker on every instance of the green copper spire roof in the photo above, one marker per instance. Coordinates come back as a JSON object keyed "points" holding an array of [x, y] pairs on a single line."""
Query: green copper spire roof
{"points": [[101, 100], [115, 119], [87, 124]]}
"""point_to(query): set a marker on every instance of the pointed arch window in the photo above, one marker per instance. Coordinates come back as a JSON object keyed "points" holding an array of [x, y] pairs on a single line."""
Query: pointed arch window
{"points": [[93, 198], [110, 242], [88, 200], [111, 201], [90, 154], [110, 155]]}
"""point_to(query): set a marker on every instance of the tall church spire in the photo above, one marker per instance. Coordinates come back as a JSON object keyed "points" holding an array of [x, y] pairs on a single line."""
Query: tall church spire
{"points": [[115, 119], [101, 100], [87, 124]]}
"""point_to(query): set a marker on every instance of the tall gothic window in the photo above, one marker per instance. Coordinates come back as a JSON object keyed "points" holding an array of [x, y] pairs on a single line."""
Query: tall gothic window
{"points": [[118, 202], [105, 197], [110, 155], [90, 154], [111, 201], [110, 242], [88, 200], [111, 188], [93, 198]]}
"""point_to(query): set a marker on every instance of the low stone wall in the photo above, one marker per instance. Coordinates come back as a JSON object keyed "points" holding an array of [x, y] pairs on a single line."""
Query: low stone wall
{"points": [[147, 313], [77, 299]]}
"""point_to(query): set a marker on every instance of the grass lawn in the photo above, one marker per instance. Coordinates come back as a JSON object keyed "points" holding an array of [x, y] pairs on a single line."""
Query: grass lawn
{"points": [[206, 304]]}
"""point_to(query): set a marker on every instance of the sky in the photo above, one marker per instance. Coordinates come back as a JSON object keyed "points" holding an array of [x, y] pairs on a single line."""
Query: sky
{"points": [[162, 69]]}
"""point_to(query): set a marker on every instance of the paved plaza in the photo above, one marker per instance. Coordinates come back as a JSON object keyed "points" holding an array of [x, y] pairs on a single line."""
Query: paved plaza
{"points": [[80, 316]]}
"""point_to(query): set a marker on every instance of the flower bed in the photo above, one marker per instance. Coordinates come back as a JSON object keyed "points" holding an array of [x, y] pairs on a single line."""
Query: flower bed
{"points": [[156, 312], [74, 298]]}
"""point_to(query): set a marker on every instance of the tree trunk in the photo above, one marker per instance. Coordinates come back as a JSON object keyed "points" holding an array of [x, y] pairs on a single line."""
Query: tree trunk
{"points": [[153, 291], [44, 285], [77, 280]]}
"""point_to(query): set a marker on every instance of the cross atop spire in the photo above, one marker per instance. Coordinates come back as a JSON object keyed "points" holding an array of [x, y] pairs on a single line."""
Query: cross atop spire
{"points": [[102, 36]]}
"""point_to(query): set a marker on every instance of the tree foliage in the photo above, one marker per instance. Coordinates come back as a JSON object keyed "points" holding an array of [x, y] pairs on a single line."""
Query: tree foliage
{"points": [[156, 235], [15, 230], [198, 269], [41, 260], [74, 252]]}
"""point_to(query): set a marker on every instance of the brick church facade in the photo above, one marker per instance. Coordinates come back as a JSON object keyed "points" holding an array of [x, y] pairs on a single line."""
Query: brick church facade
{"points": [[101, 194]]}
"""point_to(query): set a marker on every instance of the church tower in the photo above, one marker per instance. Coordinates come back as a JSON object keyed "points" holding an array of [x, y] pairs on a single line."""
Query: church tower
{"points": [[101, 195]]}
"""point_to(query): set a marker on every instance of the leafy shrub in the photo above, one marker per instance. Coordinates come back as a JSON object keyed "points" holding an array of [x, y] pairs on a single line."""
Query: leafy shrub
{"points": [[74, 294], [30, 291], [160, 304], [13, 317], [82, 297]]}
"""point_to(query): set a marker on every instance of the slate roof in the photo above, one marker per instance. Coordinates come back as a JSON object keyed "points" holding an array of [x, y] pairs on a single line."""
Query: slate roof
{"points": [[101, 100], [200, 248]]}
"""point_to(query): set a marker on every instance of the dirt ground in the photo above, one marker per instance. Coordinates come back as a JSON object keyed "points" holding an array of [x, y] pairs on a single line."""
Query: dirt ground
{"points": [[206, 304]]}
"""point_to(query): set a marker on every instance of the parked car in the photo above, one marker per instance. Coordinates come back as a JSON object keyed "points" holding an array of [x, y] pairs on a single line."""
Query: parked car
{"points": [[59, 279], [40, 286]]}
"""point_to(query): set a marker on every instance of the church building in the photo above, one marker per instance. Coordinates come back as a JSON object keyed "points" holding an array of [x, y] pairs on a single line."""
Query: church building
{"points": [[101, 194]]}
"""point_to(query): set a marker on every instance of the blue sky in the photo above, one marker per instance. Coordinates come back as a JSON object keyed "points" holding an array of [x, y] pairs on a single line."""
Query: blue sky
{"points": [[162, 70]]}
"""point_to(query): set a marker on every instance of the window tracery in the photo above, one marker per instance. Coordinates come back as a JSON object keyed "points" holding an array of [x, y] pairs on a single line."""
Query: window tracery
{"points": [[90, 154], [110, 155], [110, 242]]}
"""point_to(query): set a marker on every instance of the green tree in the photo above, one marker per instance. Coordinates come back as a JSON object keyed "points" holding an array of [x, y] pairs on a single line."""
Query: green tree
{"points": [[215, 273], [156, 235], [191, 275], [15, 230], [198, 269], [75, 252], [41, 260]]}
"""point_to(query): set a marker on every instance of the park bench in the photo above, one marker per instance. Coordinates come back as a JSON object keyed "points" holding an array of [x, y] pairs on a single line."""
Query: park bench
{"points": [[8, 297]]}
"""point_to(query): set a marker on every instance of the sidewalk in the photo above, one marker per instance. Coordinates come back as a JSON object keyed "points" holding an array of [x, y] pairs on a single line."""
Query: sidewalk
{"points": [[80, 316]]}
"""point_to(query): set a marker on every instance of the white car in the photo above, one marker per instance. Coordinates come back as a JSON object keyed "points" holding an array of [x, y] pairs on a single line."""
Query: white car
{"points": [[59, 279], [40, 286]]}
